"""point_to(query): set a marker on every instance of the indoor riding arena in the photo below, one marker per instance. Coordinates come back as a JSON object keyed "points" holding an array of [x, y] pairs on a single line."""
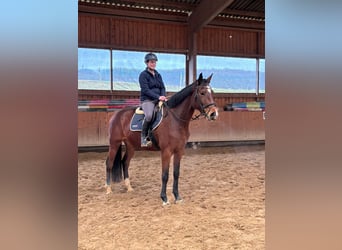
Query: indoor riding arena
{"points": [[222, 172]]}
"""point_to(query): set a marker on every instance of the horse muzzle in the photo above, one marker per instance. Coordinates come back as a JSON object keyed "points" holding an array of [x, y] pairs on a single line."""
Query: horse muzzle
{"points": [[212, 114]]}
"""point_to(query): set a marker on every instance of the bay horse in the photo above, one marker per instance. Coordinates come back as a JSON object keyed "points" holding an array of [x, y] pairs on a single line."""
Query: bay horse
{"points": [[170, 137]]}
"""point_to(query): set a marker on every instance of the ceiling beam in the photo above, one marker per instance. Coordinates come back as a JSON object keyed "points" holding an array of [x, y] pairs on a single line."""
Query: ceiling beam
{"points": [[206, 11], [129, 13], [244, 13], [161, 3]]}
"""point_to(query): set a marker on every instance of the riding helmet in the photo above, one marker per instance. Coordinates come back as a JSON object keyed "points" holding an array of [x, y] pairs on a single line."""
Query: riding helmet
{"points": [[150, 56]]}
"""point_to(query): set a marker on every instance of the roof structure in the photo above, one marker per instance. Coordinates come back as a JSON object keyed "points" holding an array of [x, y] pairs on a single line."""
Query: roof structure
{"points": [[197, 12]]}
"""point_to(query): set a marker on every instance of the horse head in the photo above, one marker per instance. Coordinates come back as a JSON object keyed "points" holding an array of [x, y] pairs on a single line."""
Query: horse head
{"points": [[204, 101]]}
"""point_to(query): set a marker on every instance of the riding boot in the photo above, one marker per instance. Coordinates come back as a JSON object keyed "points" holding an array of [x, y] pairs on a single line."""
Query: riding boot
{"points": [[145, 141]]}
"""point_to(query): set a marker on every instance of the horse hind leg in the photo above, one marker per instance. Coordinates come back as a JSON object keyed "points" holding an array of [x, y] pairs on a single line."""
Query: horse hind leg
{"points": [[109, 165], [129, 152]]}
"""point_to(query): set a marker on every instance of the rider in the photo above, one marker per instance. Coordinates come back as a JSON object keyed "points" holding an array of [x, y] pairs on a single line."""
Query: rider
{"points": [[152, 89]]}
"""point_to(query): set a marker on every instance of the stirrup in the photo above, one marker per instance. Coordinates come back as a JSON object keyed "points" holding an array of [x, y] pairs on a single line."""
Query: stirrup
{"points": [[145, 142]]}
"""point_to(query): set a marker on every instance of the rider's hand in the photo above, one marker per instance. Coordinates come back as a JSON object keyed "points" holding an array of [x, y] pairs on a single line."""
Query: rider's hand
{"points": [[162, 98]]}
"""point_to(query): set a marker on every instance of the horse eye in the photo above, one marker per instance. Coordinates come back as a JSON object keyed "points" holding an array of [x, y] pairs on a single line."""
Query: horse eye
{"points": [[202, 93]]}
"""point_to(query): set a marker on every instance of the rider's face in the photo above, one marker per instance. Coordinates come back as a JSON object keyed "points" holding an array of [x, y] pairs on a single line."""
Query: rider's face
{"points": [[151, 64]]}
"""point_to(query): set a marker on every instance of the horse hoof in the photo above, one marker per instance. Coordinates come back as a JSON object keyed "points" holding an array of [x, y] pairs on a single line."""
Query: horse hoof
{"points": [[128, 185], [130, 190], [179, 201], [166, 203], [109, 190]]}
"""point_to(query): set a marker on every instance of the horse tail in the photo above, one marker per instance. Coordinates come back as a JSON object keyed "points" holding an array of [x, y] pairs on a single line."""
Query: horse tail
{"points": [[117, 170]]}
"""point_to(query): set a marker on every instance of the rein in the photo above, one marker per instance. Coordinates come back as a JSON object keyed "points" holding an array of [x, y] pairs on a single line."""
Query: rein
{"points": [[202, 111]]}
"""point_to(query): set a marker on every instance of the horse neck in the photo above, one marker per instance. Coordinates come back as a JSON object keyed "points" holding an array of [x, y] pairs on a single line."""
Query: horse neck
{"points": [[185, 110]]}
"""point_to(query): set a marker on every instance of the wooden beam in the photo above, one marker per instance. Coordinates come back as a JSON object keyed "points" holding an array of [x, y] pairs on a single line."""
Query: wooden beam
{"points": [[163, 4], [191, 59], [130, 13], [238, 24], [206, 11], [244, 13]]}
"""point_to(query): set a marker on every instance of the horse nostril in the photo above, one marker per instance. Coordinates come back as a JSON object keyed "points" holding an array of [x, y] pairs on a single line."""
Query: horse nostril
{"points": [[213, 116]]}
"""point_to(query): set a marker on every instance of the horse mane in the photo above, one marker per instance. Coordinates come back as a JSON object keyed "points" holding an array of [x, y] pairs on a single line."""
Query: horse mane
{"points": [[179, 97]]}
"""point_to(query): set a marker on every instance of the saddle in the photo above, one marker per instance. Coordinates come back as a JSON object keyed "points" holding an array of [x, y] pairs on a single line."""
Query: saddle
{"points": [[138, 117]]}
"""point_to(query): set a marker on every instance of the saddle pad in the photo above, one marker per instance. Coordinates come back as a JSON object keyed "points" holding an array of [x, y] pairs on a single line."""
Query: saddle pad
{"points": [[137, 119]]}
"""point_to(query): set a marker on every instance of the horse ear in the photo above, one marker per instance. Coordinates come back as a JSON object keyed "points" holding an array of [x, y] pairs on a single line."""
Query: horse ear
{"points": [[209, 78], [200, 78]]}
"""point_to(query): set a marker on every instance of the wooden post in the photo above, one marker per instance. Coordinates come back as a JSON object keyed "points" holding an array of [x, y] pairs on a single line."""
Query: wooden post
{"points": [[191, 58]]}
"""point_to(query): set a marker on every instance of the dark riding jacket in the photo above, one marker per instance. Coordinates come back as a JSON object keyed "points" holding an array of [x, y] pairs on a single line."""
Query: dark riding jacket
{"points": [[151, 86]]}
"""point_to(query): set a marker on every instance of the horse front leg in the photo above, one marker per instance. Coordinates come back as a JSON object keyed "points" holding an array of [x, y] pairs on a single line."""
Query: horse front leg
{"points": [[176, 168], [165, 176]]}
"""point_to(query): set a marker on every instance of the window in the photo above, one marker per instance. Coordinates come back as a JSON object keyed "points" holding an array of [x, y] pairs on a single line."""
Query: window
{"points": [[93, 69], [172, 69], [127, 66], [230, 74], [261, 75]]}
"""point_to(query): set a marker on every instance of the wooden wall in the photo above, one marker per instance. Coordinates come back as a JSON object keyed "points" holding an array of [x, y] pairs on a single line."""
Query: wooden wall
{"points": [[94, 31], [131, 34], [230, 127], [144, 35], [147, 34], [230, 42]]}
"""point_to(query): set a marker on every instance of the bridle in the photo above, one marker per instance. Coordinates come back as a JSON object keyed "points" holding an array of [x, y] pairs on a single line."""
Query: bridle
{"points": [[202, 107]]}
